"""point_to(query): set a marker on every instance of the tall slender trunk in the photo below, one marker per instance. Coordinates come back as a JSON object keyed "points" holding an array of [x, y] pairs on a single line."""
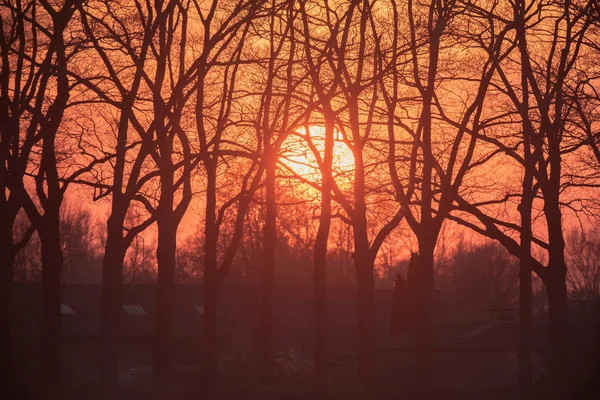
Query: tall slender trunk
{"points": [[427, 238], [525, 322], [268, 272], [321, 379], [367, 358], [559, 365], [363, 261], [525, 207], [166, 254], [114, 255], [210, 350], [112, 294], [52, 259], [49, 225], [320, 263], [525, 268], [7, 360], [211, 280], [424, 321], [595, 383], [556, 289]]}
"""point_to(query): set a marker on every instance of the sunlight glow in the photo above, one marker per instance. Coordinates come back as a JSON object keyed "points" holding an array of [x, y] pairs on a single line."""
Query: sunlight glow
{"points": [[298, 157]]}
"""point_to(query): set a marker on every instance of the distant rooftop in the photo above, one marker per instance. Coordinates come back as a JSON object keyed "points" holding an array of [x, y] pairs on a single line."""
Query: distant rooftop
{"points": [[239, 311]]}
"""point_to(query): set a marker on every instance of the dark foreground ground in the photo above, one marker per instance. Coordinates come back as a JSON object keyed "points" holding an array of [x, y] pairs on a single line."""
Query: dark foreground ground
{"points": [[186, 392]]}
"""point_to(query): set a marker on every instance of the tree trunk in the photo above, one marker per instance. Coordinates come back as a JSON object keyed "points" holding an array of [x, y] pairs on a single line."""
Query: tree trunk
{"points": [[556, 290], [595, 384], [7, 360], [52, 259], [525, 296], [321, 320], [559, 366], [424, 331], [321, 307], [268, 273], [112, 293], [525, 317], [320, 263], [525, 290], [211, 280], [210, 362], [166, 255], [367, 362], [165, 286]]}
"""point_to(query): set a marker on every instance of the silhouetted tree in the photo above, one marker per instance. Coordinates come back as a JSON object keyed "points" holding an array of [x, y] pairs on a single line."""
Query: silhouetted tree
{"points": [[438, 164], [545, 75], [107, 24], [79, 243], [274, 121], [36, 95], [583, 258], [169, 88], [344, 75], [223, 34]]}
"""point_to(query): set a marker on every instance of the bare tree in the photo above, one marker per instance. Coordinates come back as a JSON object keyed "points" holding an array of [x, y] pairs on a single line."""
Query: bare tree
{"points": [[173, 159], [324, 92], [438, 164], [274, 122], [546, 71], [344, 72], [223, 34], [36, 95], [483, 271], [79, 243], [132, 28], [583, 259], [27, 263]]}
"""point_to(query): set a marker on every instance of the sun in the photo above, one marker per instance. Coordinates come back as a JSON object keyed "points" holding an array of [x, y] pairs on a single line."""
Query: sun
{"points": [[299, 159]]}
